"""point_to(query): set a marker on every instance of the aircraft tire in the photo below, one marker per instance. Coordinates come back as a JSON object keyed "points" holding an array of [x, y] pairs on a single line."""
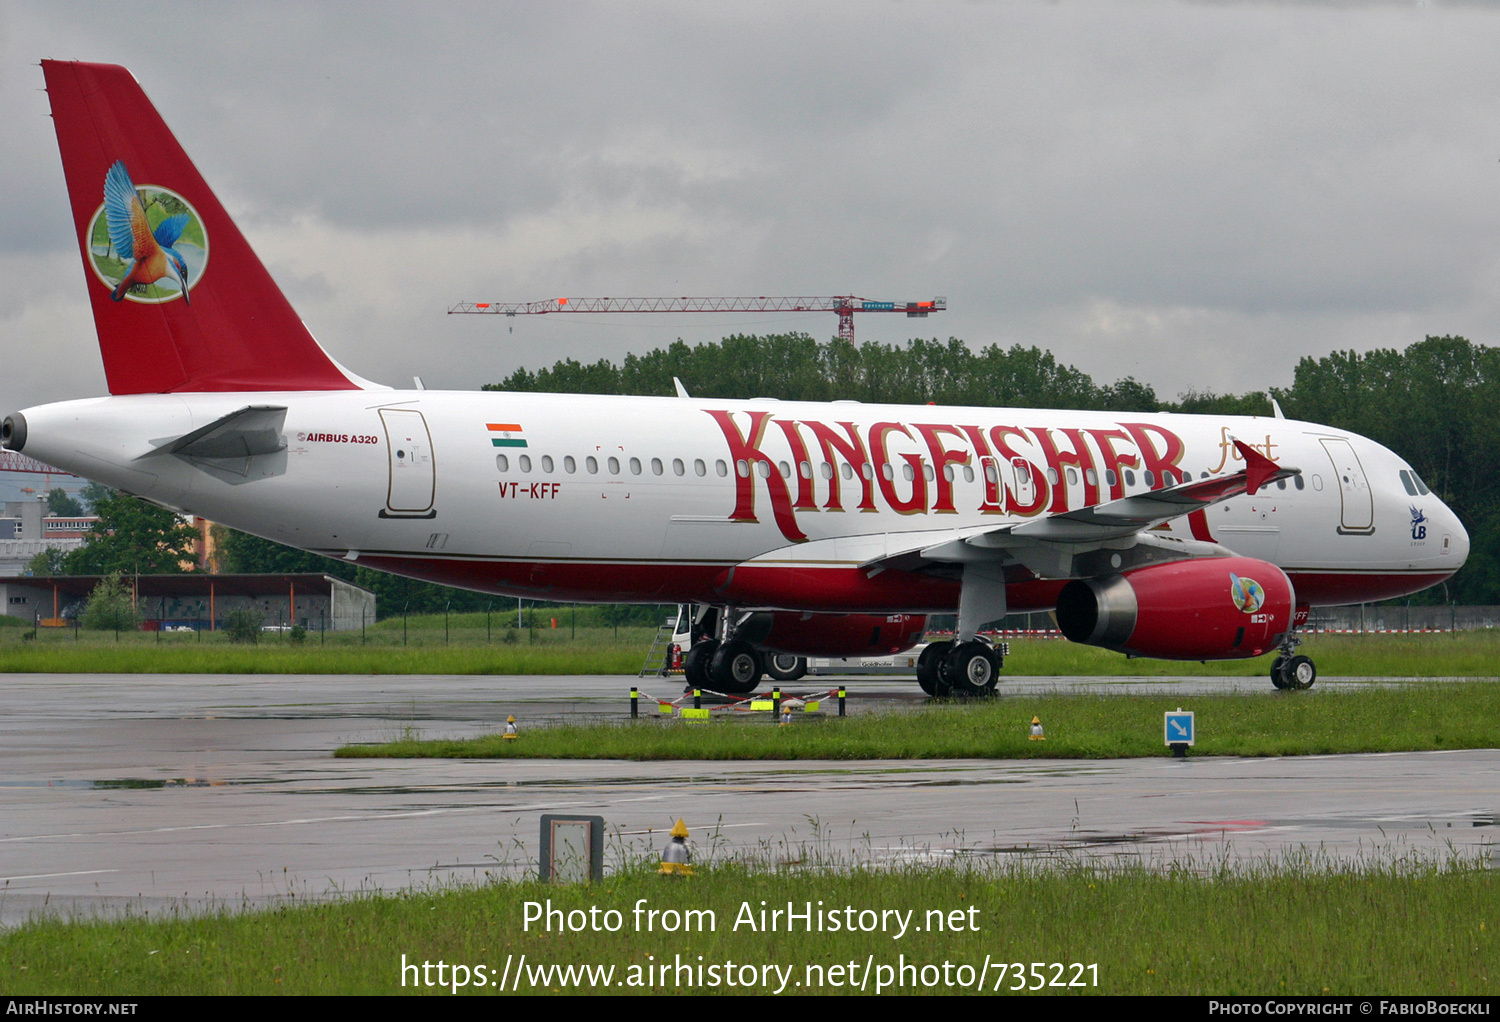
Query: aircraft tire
{"points": [[1300, 673], [695, 663], [784, 666], [735, 668], [1277, 667], [928, 662], [971, 669]]}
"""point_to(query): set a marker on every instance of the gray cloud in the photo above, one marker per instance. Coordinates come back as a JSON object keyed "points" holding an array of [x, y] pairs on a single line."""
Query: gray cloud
{"points": [[1195, 194]]}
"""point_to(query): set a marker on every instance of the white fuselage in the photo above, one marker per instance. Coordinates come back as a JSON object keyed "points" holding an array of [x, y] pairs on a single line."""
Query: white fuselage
{"points": [[654, 499]]}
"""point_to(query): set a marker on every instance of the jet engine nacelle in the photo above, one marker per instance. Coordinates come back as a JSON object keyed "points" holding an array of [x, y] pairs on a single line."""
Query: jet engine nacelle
{"points": [[1219, 608], [833, 634]]}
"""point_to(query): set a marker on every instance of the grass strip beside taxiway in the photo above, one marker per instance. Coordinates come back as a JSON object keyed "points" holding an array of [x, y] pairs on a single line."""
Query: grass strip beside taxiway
{"points": [[424, 646], [1285, 930], [1400, 718]]}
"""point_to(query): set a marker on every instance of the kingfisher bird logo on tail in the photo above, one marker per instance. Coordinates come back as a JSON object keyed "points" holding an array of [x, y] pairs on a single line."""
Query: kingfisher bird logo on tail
{"points": [[137, 259], [148, 243]]}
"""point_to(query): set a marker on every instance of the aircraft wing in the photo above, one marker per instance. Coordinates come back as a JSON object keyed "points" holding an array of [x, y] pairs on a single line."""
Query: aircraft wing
{"points": [[1080, 542], [1049, 546]]}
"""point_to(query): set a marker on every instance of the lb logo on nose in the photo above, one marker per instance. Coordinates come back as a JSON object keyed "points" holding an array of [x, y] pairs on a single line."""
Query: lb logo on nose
{"points": [[145, 243]]}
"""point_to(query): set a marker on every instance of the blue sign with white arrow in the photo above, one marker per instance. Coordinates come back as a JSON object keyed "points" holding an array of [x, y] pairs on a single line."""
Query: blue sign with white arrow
{"points": [[1178, 726]]}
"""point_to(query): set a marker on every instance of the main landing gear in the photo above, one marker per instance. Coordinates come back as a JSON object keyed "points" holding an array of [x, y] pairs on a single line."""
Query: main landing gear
{"points": [[964, 669], [1290, 669], [735, 667]]}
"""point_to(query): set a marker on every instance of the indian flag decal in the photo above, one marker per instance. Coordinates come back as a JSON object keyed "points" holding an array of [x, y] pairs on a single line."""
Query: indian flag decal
{"points": [[506, 434]]}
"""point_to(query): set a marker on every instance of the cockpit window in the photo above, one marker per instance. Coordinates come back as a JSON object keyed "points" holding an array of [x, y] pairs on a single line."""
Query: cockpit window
{"points": [[1421, 486], [1411, 487]]}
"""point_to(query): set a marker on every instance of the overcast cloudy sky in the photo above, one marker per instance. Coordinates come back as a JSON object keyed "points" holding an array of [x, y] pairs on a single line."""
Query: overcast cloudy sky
{"points": [[1195, 194]]}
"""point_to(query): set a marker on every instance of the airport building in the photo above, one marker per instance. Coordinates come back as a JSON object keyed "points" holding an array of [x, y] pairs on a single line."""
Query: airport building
{"points": [[316, 602], [27, 529]]}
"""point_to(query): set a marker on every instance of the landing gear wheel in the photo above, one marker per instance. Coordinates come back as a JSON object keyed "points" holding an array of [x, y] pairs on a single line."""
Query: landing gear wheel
{"points": [[785, 666], [1277, 666], [971, 669], [735, 668], [1299, 673], [927, 668], [695, 663]]}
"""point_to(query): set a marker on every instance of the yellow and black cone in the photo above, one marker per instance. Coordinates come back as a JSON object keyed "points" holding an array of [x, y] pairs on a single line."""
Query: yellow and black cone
{"points": [[676, 858]]}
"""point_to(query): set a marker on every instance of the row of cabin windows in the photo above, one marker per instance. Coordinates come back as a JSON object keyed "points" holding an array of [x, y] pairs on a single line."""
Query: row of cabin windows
{"points": [[612, 465], [826, 470]]}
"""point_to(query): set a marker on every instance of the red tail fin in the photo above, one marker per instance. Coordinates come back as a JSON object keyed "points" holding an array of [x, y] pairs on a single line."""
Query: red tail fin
{"points": [[180, 301]]}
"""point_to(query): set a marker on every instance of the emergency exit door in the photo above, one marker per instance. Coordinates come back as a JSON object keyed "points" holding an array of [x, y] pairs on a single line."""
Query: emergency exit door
{"points": [[413, 482]]}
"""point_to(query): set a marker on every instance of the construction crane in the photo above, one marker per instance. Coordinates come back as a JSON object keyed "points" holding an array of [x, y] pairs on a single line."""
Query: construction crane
{"points": [[845, 305]]}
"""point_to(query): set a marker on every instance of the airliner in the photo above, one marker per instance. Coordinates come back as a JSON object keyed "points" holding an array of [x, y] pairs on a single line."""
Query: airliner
{"points": [[794, 528]]}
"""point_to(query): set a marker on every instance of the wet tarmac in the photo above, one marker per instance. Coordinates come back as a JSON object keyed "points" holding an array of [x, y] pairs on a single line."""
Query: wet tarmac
{"points": [[163, 793]]}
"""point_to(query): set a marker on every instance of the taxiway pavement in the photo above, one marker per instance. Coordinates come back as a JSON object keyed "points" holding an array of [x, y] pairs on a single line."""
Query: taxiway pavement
{"points": [[164, 793]]}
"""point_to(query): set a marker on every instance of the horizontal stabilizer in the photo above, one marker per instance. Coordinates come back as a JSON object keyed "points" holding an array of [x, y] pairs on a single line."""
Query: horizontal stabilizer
{"points": [[252, 430]]}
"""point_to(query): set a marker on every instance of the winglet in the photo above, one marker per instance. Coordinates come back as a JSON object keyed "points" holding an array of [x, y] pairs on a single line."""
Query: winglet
{"points": [[1276, 408], [1259, 469], [681, 390]]}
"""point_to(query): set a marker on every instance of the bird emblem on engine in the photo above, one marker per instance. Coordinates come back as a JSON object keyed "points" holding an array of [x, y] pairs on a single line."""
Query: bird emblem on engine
{"points": [[1246, 593]]}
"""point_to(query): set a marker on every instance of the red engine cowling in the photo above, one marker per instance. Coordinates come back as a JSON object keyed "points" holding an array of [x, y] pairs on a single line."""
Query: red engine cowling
{"points": [[833, 634], [1219, 608]]}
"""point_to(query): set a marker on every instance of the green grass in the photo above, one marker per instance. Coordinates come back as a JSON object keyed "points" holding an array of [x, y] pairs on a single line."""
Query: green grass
{"points": [[1290, 930], [1418, 716], [464, 645], [424, 647]]}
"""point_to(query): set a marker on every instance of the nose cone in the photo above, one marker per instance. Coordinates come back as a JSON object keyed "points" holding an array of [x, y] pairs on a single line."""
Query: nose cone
{"points": [[1458, 538]]}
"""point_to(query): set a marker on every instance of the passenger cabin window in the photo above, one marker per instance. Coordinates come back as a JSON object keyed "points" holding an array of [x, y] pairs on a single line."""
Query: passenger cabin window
{"points": [[826, 470], [525, 462], [968, 473], [656, 467], [635, 466], [547, 463], [1297, 482], [592, 464], [502, 463], [786, 470], [1109, 476], [721, 468], [700, 468], [1148, 477], [569, 465], [1129, 477], [614, 466], [678, 468]]}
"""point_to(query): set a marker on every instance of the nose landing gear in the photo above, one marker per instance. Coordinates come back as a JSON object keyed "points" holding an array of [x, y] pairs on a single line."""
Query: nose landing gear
{"points": [[1291, 670]]}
